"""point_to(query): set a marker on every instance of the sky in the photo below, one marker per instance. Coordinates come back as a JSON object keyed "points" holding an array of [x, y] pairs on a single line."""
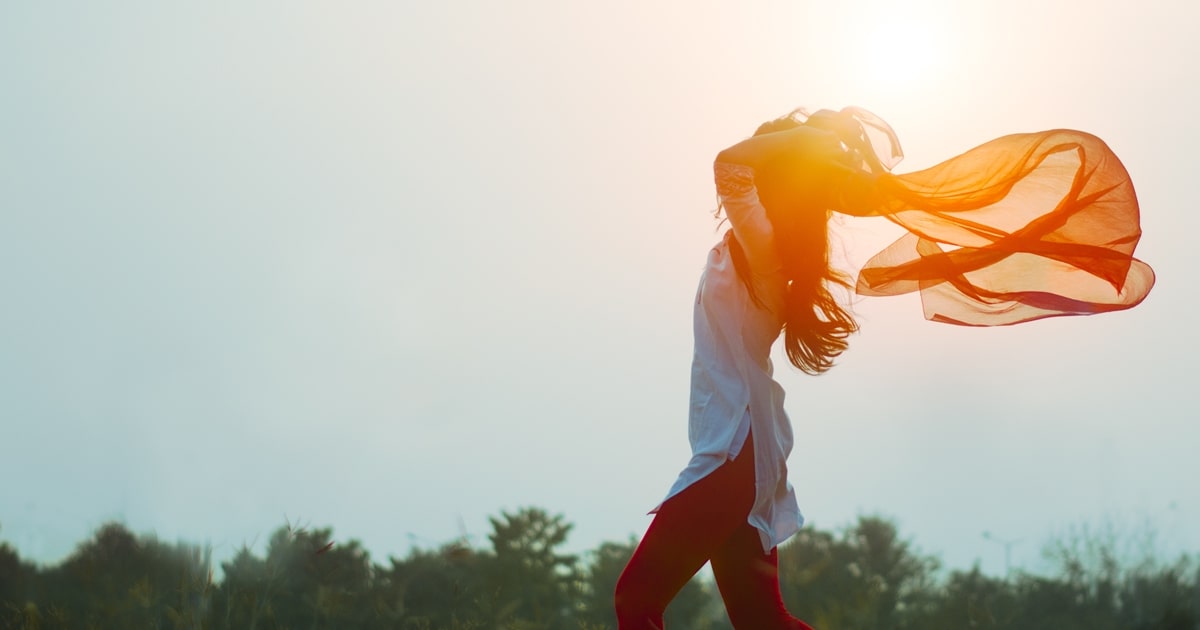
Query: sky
{"points": [[396, 267]]}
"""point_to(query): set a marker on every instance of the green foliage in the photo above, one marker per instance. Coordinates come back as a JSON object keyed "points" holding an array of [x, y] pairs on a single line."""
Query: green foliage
{"points": [[16, 577], [864, 576], [608, 561], [114, 580], [528, 579], [306, 581], [436, 589]]}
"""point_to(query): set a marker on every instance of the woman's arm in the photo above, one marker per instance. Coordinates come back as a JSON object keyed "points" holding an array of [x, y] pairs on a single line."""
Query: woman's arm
{"points": [[798, 144], [805, 157]]}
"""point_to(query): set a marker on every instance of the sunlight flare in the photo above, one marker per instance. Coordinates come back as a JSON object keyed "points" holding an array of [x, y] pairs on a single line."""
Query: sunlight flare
{"points": [[901, 50]]}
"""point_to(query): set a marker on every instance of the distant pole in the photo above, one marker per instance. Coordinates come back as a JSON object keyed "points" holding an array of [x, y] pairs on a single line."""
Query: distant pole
{"points": [[1008, 545]]}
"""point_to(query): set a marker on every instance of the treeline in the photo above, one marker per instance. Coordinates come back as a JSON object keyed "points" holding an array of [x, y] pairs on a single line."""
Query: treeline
{"points": [[864, 576]]}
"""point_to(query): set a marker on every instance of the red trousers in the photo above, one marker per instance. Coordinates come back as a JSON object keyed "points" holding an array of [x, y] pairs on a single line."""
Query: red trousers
{"points": [[706, 522]]}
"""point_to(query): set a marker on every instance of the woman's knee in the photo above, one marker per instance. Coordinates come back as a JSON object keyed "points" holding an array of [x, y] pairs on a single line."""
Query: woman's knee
{"points": [[634, 609]]}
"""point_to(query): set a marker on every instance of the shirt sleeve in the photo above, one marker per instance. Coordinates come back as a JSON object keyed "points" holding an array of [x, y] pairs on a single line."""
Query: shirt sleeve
{"points": [[748, 218]]}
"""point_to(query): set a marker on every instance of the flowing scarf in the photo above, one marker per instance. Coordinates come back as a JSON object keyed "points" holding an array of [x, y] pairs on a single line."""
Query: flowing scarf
{"points": [[1020, 228]]}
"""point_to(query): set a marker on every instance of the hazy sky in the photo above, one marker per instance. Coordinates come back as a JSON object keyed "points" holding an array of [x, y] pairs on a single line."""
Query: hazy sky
{"points": [[394, 267]]}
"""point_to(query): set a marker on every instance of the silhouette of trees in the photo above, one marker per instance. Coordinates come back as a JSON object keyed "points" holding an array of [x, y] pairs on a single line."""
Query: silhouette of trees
{"points": [[17, 582], [306, 581], [865, 576], [1093, 589], [600, 581], [113, 580], [436, 589], [528, 577]]}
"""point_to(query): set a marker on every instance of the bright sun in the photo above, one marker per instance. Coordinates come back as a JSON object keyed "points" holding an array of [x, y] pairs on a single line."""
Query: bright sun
{"points": [[900, 50]]}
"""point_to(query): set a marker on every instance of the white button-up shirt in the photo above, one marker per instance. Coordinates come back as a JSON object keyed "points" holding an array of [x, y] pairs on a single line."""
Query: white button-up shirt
{"points": [[733, 391]]}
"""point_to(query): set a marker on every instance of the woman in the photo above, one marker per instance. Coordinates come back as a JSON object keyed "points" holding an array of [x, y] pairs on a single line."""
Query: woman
{"points": [[1015, 254]]}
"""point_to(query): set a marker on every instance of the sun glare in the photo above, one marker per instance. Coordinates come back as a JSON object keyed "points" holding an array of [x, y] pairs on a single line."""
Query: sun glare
{"points": [[901, 50]]}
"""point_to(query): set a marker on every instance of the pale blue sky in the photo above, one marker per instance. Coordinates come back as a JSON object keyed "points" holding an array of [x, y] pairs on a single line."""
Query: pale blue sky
{"points": [[393, 266]]}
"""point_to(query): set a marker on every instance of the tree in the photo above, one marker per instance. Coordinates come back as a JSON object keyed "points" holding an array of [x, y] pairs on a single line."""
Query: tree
{"points": [[306, 581], [600, 582], [969, 599], [863, 577], [16, 577], [16, 587], [529, 578], [866, 578], [119, 580], [444, 588]]}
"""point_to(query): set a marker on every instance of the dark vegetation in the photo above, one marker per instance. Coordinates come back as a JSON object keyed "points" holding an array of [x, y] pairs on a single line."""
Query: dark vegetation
{"points": [[862, 577]]}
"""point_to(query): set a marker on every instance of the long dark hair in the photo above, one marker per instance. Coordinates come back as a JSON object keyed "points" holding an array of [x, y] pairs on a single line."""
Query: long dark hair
{"points": [[816, 326]]}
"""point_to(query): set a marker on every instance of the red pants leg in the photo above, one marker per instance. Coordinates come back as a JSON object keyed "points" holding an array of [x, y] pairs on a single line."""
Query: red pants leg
{"points": [[707, 521], [749, 583], [688, 529]]}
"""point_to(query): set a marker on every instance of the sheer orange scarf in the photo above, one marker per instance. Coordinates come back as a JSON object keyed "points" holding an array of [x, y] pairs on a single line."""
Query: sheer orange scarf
{"points": [[1020, 228]]}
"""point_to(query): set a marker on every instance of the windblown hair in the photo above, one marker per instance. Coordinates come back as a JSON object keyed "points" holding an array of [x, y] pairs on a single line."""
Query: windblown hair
{"points": [[816, 326]]}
